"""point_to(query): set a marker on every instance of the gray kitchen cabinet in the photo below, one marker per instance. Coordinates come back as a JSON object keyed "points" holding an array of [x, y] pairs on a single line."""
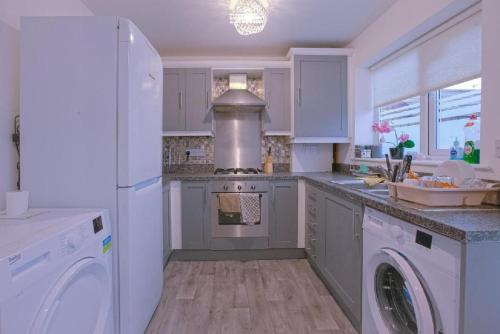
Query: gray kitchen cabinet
{"points": [[198, 96], [173, 99], [343, 250], [320, 96], [314, 242], [167, 246], [194, 215], [278, 97], [283, 219], [186, 99]]}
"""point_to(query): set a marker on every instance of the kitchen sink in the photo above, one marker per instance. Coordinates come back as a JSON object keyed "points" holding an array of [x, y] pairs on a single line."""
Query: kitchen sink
{"points": [[348, 182], [379, 191]]}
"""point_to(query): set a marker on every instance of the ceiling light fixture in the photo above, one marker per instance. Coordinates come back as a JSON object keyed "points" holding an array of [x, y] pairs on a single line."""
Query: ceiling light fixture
{"points": [[249, 16]]}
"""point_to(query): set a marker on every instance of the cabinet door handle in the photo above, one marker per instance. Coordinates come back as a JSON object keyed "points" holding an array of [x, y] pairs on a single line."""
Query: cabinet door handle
{"points": [[207, 101], [354, 232], [180, 100], [299, 96]]}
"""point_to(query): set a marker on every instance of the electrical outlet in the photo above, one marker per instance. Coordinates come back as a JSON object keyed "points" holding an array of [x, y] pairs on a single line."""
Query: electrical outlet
{"points": [[195, 152], [497, 148]]}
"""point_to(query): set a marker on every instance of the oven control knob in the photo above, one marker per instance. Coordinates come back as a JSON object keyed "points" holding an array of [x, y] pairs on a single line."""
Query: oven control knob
{"points": [[239, 187], [252, 187], [225, 187]]}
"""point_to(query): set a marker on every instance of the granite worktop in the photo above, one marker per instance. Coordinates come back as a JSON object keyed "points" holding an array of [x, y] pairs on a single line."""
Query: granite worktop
{"points": [[464, 226]]}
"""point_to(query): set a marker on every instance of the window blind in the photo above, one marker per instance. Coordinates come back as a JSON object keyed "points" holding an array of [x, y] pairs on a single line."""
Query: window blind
{"points": [[450, 54]]}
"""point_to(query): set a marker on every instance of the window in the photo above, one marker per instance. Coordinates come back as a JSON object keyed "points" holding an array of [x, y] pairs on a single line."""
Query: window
{"points": [[404, 118], [435, 125], [450, 108], [435, 71]]}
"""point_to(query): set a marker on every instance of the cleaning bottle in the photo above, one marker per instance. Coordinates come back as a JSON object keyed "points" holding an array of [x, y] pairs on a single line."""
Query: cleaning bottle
{"points": [[456, 152], [453, 152], [472, 144], [459, 149]]}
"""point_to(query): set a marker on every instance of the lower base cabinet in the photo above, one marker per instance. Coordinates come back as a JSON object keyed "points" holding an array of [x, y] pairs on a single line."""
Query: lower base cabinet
{"points": [[195, 215], [283, 219], [337, 246]]}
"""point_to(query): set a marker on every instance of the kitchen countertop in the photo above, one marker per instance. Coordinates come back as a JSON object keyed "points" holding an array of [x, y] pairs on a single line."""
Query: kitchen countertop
{"points": [[463, 226]]}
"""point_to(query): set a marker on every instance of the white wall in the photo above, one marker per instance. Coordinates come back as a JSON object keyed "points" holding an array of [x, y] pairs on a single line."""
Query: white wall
{"points": [[490, 109], [405, 21], [12, 10], [311, 157], [10, 13]]}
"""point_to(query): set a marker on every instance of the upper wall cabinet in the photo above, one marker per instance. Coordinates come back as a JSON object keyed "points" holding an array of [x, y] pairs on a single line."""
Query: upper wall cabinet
{"points": [[320, 96], [278, 98], [186, 100]]}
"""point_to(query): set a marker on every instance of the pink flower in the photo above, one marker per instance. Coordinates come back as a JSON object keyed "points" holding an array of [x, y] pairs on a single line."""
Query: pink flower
{"points": [[404, 137], [383, 127]]}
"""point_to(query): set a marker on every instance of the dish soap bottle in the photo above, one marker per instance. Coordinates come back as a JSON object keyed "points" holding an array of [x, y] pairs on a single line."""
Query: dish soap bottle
{"points": [[453, 151], [268, 163], [472, 148], [456, 152]]}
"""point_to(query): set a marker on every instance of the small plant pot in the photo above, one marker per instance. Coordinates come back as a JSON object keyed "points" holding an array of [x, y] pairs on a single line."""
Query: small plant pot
{"points": [[397, 152]]}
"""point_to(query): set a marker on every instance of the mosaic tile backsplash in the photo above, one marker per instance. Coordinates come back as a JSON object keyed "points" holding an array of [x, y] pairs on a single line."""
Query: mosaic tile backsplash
{"points": [[177, 146]]}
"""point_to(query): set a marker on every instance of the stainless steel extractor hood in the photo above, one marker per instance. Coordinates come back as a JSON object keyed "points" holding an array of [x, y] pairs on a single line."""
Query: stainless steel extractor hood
{"points": [[238, 98]]}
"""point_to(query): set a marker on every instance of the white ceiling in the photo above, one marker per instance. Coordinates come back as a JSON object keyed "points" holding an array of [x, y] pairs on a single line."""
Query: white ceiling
{"points": [[201, 27]]}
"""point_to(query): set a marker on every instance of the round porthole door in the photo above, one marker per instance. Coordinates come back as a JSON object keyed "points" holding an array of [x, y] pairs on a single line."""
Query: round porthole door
{"points": [[79, 302], [398, 301]]}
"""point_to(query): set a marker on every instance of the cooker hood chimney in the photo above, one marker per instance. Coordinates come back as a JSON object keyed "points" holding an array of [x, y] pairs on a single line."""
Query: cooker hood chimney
{"points": [[238, 98]]}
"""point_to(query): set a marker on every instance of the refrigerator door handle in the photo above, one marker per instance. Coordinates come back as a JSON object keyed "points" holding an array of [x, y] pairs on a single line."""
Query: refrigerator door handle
{"points": [[146, 183]]}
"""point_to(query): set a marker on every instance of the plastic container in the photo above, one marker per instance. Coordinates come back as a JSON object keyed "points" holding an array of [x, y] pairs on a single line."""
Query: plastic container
{"points": [[438, 196]]}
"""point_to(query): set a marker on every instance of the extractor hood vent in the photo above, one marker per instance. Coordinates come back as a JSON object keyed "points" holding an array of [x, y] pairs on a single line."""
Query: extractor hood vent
{"points": [[238, 98]]}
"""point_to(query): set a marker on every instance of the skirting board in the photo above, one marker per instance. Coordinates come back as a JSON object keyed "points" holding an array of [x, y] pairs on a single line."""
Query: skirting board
{"points": [[237, 255]]}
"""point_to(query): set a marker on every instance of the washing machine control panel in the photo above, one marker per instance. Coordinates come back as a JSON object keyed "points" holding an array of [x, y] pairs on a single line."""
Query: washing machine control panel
{"points": [[74, 239], [424, 239]]}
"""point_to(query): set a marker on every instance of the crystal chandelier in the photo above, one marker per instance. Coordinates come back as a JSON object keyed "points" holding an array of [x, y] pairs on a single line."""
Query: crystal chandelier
{"points": [[248, 16]]}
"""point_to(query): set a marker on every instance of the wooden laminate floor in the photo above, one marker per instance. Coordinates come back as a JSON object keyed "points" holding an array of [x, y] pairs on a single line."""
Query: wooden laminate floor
{"points": [[233, 297]]}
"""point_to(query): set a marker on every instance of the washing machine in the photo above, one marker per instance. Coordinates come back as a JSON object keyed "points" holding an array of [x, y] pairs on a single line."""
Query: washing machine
{"points": [[411, 278], [56, 273]]}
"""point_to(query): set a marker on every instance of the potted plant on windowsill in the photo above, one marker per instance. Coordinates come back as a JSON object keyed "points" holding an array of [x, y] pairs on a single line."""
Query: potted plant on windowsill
{"points": [[402, 142]]}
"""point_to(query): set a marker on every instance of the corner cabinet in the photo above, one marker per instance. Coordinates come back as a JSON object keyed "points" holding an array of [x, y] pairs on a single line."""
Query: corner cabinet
{"points": [[334, 247], [195, 213], [283, 221], [320, 96], [278, 97], [187, 99], [343, 251]]}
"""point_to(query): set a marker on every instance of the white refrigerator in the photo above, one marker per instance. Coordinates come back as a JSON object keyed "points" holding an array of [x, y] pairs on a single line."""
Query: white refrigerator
{"points": [[91, 136]]}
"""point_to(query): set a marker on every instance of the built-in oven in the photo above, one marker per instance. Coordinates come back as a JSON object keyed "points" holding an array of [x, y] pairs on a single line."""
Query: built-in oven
{"points": [[240, 209]]}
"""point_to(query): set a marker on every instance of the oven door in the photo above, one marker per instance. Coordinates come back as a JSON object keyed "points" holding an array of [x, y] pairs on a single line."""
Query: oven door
{"points": [[231, 226]]}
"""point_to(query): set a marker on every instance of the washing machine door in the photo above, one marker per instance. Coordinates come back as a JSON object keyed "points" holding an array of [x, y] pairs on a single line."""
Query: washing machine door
{"points": [[78, 303], [397, 299]]}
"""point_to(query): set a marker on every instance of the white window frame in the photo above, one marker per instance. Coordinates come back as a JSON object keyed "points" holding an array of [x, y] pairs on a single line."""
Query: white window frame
{"points": [[428, 123], [432, 150]]}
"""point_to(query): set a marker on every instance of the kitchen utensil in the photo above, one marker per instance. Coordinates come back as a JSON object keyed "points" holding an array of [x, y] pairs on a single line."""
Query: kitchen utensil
{"points": [[406, 167], [389, 168], [395, 173]]}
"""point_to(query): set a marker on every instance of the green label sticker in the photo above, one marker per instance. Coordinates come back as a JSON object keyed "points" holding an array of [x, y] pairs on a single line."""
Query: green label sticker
{"points": [[106, 244]]}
